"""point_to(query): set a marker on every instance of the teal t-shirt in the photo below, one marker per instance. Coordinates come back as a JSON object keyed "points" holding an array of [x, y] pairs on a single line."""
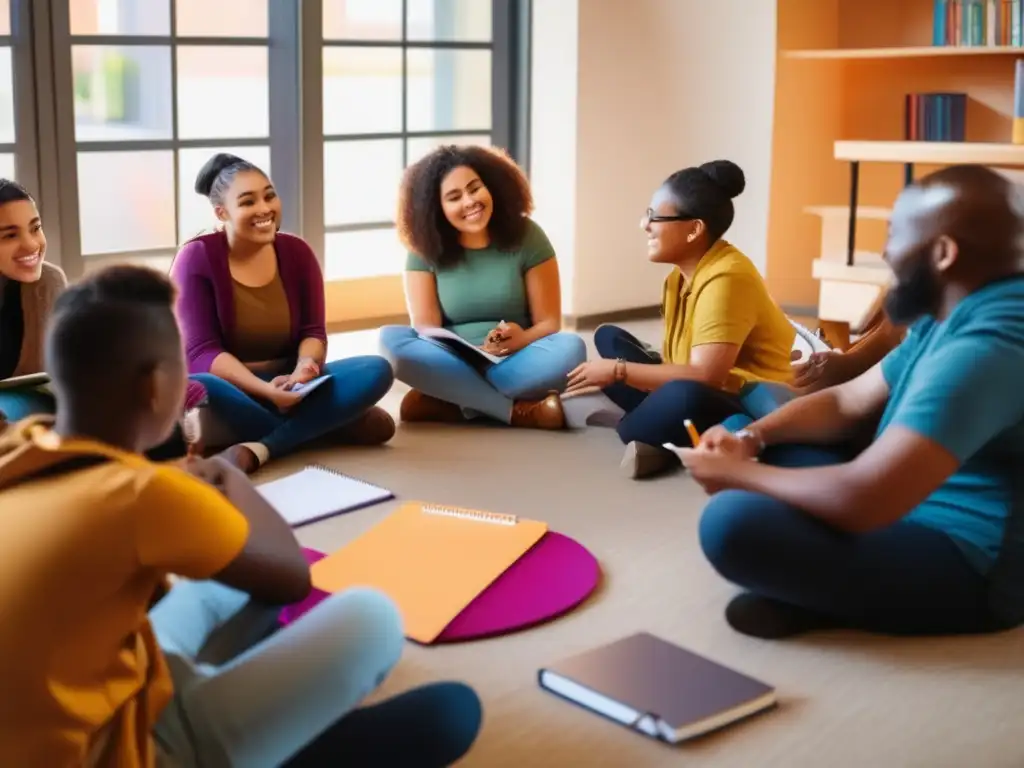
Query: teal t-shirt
{"points": [[487, 286], [961, 383]]}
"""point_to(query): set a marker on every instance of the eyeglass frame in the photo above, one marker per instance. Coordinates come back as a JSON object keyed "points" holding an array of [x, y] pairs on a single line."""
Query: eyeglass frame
{"points": [[650, 217]]}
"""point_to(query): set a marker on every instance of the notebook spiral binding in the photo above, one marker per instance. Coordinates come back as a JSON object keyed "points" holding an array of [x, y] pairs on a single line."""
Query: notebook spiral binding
{"points": [[335, 472], [470, 514]]}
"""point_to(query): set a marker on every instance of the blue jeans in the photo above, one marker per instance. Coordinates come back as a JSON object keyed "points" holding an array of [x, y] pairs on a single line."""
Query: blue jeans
{"points": [[248, 694], [529, 374], [901, 579], [17, 404], [358, 384]]}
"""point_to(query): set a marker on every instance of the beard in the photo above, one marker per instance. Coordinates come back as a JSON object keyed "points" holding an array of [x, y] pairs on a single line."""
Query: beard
{"points": [[915, 294]]}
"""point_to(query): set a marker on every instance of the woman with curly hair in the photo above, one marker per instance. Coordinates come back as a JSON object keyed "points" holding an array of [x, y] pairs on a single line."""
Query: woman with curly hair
{"points": [[481, 268]]}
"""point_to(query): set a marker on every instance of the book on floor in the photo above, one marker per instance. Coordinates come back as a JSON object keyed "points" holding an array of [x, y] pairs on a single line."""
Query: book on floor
{"points": [[455, 343], [657, 688], [316, 492], [432, 560]]}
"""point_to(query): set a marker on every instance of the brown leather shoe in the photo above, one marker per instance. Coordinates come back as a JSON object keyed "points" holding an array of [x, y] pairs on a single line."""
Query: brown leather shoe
{"points": [[375, 427], [419, 407], [539, 414]]}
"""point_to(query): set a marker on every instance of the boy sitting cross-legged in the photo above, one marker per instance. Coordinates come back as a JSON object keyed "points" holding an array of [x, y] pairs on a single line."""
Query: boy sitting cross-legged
{"points": [[102, 662]]}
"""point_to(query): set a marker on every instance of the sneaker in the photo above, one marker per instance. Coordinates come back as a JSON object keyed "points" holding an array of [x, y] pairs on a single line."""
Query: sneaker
{"points": [[539, 414], [375, 427], [417, 406], [642, 460]]}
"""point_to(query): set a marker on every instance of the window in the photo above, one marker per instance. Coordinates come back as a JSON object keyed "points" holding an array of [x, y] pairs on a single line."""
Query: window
{"points": [[158, 87], [400, 77], [7, 119]]}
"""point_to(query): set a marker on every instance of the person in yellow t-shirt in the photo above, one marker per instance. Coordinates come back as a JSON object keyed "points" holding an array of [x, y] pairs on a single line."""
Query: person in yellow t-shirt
{"points": [[722, 327], [103, 661]]}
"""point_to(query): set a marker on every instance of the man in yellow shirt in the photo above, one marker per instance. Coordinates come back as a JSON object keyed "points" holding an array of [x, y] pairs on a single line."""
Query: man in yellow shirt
{"points": [[102, 662], [722, 328]]}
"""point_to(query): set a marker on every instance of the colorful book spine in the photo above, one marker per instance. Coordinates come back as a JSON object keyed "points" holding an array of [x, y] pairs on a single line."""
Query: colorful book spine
{"points": [[935, 117], [978, 23], [1018, 103]]}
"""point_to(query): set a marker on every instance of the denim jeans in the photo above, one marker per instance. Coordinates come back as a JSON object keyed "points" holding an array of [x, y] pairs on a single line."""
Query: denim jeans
{"points": [[530, 373], [17, 404], [250, 694], [358, 383]]}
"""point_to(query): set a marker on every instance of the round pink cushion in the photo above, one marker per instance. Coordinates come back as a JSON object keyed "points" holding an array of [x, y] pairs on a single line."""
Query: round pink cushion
{"points": [[553, 577]]}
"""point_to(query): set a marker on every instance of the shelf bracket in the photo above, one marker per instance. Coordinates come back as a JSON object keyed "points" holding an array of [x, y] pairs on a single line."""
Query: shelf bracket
{"points": [[908, 174], [854, 189]]}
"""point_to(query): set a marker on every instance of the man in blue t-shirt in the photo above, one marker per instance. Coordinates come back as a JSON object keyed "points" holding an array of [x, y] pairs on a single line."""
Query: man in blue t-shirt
{"points": [[922, 532]]}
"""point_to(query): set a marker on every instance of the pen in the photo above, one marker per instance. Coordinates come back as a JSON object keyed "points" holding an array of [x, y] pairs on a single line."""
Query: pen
{"points": [[692, 430]]}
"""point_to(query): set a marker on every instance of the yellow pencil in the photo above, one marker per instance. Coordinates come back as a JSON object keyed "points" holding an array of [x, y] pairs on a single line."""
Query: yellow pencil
{"points": [[694, 434]]}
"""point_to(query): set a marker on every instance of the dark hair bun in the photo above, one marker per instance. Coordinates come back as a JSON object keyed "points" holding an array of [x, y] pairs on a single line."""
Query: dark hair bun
{"points": [[727, 175], [211, 170]]}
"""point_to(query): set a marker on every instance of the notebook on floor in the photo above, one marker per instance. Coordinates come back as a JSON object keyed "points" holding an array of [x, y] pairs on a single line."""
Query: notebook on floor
{"points": [[317, 492], [657, 688], [431, 560]]}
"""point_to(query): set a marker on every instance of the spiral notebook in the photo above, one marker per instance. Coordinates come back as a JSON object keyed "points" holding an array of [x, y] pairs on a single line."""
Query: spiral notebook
{"points": [[317, 492], [431, 560]]}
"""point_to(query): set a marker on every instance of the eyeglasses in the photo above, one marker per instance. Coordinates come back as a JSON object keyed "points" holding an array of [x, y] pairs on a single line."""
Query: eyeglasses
{"points": [[650, 217]]}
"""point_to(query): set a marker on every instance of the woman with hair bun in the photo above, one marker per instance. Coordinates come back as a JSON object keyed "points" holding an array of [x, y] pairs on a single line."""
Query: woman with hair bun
{"points": [[251, 309], [722, 328]]}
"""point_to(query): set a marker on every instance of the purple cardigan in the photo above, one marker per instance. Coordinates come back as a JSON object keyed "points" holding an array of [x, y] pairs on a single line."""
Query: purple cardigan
{"points": [[206, 307]]}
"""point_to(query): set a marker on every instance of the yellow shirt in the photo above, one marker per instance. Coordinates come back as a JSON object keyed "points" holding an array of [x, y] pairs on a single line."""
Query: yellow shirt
{"points": [[86, 550], [727, 302]]}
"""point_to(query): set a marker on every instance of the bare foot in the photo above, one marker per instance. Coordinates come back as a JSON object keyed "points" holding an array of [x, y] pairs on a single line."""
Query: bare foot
{"points": [[241, 457]]}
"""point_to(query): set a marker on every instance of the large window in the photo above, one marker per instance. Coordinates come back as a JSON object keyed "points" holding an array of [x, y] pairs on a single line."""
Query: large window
{"points": [[112, 106], [400, 77]]}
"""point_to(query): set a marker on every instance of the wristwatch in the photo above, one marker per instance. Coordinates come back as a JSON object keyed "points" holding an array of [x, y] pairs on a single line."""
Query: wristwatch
{"points": [[752, 436], [620, 369]]}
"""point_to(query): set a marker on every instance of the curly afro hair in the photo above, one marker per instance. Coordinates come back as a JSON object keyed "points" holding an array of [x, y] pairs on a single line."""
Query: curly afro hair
{"points": [[422, 225]]}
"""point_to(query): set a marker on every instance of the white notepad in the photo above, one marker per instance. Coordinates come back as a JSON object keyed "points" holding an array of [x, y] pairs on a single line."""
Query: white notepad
{"points": [[317, 492]]}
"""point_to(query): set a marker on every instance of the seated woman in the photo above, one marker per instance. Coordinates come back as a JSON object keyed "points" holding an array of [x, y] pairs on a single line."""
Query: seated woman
{"points": [[251, 308], [722, 328], [481, 268], [28, 287]]}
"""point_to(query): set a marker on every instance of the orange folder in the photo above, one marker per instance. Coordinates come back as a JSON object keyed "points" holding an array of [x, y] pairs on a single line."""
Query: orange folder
{"points": [[431, 560]]}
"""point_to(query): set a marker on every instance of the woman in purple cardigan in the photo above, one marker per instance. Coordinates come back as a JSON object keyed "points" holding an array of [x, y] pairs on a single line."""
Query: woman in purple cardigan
{"points": [[251, 309]]}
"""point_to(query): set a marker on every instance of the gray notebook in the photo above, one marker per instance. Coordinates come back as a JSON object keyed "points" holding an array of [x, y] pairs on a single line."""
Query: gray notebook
{"points": [[317, 492], [657, 688]]}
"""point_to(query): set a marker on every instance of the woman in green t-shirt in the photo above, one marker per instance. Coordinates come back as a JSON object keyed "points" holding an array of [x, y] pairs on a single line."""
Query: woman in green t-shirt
{"points": [[483, 271]]}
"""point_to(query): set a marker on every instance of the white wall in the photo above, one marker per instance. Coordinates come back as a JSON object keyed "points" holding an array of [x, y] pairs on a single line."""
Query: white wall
{"points": [[624, 93]]}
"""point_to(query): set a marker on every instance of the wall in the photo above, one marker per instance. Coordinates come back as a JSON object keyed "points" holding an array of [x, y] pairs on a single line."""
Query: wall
{"points": [[626, 93]]}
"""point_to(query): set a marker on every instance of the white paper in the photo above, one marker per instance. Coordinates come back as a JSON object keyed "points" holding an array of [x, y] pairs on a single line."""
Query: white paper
{"points": [[313, 493]]}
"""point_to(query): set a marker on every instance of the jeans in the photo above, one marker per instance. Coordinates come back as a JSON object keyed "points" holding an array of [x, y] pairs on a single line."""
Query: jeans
{"points": [[247, 695], [657, 417], [529, 374], [903, 579], [358, 384], [17, 404]]}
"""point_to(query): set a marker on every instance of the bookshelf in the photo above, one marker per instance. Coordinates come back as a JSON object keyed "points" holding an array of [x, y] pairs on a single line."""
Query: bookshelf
{"points": [[839, 158]]}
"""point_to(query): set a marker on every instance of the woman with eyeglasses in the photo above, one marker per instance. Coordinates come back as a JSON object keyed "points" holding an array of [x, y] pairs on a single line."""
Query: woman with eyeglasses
{"points": [[722, 328]]}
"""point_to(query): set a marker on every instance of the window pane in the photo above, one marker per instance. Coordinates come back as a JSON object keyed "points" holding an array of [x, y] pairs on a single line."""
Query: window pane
{"points": [[362, 19], [462, 20], [195, 214], [369, 253], [7, 167], [5, 17], [423, 145], [223, 93], [362, 90], [127, 17], [121, 93], [6, 97], [361, 181], [449, 90], [126, 200], [222, 18]]}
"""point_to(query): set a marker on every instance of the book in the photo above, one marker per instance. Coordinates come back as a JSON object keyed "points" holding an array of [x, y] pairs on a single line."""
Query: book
{"points": [[977, 23], [316, 492], [432, 560], [935, 117], [657, 688], [309, 386], [455, 343], [22, 382]]}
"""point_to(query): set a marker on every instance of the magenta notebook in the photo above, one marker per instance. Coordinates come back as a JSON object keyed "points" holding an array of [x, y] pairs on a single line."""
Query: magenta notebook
{"points": [[553, 577]]}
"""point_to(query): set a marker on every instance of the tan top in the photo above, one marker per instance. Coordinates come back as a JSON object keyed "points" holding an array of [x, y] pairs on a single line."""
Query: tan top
{"points": [[36, 303], [263, 323]]}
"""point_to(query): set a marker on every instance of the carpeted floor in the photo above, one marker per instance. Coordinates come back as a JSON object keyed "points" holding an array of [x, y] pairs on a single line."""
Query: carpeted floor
{"points": [[845, 699]]}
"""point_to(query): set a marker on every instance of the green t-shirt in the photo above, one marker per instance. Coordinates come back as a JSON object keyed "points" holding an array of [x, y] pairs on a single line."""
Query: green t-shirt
{"points": [[487, 286]]}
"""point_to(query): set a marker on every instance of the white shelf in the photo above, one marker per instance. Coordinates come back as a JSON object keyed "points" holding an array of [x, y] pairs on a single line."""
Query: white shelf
{"points": [[908, 52], [934, 152]]}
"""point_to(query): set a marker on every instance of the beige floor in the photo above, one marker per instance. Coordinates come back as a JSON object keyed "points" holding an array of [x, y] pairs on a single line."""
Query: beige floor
{"points": [[846, 699]]}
